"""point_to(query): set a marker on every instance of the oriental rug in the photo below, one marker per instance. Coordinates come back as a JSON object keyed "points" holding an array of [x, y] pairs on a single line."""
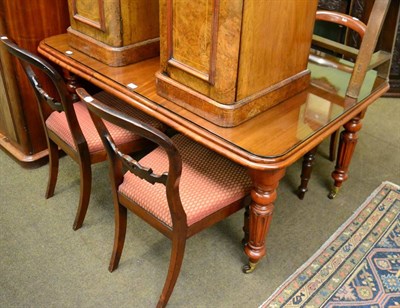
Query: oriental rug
{"points": [[359, 266]]}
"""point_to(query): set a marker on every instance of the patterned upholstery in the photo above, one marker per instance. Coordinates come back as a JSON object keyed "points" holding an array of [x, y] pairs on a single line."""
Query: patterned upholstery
{"points": [[57, 122], [209, 182]]}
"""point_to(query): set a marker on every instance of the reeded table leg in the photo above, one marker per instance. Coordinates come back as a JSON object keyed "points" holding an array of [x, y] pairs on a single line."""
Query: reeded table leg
{"points": [[348, 141], [260, 213]]}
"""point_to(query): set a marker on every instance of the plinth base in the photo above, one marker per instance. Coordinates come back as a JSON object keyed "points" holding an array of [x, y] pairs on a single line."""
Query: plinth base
{"points": [[113, 56], [233, 114]]}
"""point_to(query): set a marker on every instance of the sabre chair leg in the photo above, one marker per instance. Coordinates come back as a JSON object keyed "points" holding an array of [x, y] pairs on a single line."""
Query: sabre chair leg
{"points": [[53, 168], [85, 189], [119, 236], [178, 250]]}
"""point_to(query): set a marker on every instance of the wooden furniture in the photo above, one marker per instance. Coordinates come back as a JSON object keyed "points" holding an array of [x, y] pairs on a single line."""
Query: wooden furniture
{"points": [[172, 188], [116, 32], [227, 61], [266, 144], [364, 60], [69, 127], [388, 40], [21, 134]]}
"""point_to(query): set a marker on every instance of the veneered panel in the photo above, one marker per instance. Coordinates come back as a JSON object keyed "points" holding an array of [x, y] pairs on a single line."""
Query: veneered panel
{"points": [[203, 55], [99, 19], [140, 21], [270, 53], [192, 33], [90, 11]]}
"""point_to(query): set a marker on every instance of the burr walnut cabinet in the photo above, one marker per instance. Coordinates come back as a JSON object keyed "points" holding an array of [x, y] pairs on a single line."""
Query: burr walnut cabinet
{"points": [[227, 61], [116, 32]]}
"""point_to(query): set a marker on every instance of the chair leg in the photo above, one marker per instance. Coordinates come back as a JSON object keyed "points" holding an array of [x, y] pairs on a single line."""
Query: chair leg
{"points": [[53, 168], [85, 189], [178, 250], [308, 162], [119, 237]]}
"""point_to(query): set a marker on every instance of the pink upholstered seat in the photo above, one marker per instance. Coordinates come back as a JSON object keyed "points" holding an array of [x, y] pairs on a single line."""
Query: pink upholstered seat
{"points": [[180, 188], [57, 122], [209, 182], [72, 129]]}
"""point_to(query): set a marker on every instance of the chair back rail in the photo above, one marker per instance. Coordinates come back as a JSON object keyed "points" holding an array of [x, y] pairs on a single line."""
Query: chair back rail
{"points": [[367, 47], [170, 179], [64, 104], [365, 54]]}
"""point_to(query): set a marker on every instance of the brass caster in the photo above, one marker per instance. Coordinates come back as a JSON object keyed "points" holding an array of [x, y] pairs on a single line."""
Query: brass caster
{"points": [[249, 268], [333, 193]]}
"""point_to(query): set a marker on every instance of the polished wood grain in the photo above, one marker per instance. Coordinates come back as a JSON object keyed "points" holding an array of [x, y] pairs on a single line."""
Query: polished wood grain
{"points": [[348, 138], [21, 133], [227, 61], [116, 23], [116, 32], [285, 122], [364, 60], [265, 144]]}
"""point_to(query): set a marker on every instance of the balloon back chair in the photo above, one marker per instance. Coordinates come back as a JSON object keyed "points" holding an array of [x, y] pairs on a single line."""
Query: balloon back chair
{"points": [[180, 188], [365, 58], [69, 127]]}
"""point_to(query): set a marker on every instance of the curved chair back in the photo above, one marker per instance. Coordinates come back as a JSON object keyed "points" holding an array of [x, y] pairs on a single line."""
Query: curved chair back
{"points": [[27, 60], [201, 187], [170, 178], [70, 127], [369, 34]]}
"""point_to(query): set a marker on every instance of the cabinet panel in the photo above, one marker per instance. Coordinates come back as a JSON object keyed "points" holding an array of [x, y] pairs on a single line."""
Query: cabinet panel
{"points": [[191, 35], [115, 32], [267, 56], [215, 32], [227, 61]]}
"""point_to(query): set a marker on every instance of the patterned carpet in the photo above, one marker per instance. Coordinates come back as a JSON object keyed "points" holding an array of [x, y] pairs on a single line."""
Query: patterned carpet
{"points": [[359, 266]]}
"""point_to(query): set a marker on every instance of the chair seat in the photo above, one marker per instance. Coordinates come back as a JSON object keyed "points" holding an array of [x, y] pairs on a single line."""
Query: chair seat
{"points": [[209, 182], [57, 122]]}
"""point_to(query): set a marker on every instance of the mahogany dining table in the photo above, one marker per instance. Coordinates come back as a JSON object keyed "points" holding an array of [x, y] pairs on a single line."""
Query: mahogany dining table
{"points": [[266, 144]]}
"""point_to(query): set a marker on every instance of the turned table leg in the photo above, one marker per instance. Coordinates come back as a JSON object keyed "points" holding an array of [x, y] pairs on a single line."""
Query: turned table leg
{"points": [[72, 83], [348, 141], [308, 162], [260, 213]]}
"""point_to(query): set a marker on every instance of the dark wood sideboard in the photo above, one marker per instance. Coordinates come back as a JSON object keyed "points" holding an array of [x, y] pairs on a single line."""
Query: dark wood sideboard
{"points": [[27, 23], [389, 38]]}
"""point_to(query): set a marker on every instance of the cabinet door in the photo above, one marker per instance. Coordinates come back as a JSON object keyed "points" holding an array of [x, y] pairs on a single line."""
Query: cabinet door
{"points": [[200, 45]]}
